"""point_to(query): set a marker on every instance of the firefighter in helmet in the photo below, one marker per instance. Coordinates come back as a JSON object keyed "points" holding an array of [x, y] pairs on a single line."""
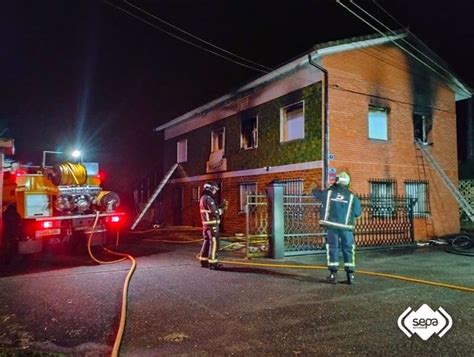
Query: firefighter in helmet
{"points": [[339, 210], [210, 217]]}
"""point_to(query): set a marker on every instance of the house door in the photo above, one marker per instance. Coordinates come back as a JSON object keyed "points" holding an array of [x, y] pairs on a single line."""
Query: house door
{"points": [[178, 206]]}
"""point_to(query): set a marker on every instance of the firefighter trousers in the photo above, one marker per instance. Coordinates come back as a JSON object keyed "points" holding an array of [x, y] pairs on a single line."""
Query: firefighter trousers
{"points": [[345, 240], [210, 245]]}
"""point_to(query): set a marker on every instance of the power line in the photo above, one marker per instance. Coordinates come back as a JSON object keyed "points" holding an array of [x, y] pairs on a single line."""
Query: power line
{"points": [[195, 37], [403, 48], [184, 40]]}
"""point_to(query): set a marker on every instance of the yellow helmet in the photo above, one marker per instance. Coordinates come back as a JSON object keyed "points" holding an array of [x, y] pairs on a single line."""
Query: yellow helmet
{"points": [[343, 178]]}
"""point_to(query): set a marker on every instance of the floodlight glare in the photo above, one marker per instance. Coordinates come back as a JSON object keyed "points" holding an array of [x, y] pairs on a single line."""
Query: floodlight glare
{"points": [[76, 154]]}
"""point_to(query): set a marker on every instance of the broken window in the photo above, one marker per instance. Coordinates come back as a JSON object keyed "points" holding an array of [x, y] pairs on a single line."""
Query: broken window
{"points": [[217, 140], [422, 125], [248, 133]]}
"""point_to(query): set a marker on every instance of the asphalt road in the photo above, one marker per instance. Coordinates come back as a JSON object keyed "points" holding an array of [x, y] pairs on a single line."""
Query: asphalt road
{"points": [[63, 305]]}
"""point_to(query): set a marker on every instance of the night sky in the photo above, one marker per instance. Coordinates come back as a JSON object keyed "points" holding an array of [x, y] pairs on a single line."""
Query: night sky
{"points": [[83, 73]]}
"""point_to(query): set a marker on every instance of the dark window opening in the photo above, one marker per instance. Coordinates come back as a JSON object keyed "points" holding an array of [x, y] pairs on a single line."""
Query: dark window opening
{"points": [[248, 135], [423, 125]]}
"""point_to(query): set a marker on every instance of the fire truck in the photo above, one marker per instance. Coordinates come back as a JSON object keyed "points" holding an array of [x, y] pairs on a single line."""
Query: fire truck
{"points": [[57, 206]]}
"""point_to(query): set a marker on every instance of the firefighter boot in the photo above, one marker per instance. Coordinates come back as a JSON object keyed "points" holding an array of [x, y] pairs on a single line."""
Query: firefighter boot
{"points": [[215, 266], [204, 264], [350, 277], [332, 278]]}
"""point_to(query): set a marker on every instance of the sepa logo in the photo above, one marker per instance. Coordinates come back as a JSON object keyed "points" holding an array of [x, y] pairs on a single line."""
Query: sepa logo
{"points": [[425, 322]]}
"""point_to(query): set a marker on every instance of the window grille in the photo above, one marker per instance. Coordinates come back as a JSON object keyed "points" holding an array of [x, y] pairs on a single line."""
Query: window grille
{"points": [[418, 190], [382, 192], [247, 188]]}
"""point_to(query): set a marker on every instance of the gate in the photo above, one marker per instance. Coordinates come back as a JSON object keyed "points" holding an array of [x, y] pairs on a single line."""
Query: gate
{"points": [[257, 226], [302, 232]]}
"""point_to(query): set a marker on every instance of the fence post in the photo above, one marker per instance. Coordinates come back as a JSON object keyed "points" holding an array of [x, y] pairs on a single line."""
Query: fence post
{"points": [[277, 243]]}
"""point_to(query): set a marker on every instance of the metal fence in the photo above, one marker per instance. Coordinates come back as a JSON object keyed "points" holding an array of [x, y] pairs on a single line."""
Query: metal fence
{"points": [[385, 221]]}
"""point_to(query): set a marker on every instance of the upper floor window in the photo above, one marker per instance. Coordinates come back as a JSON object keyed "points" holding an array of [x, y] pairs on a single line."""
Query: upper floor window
{"points": [[378, 123], [418, 192], [292, 122], [182, 151], [422, 125], [248, 133], [218, 140]]}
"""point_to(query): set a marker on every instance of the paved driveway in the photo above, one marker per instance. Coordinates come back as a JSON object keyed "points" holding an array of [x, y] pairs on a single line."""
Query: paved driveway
{"points": [[71, 306]]}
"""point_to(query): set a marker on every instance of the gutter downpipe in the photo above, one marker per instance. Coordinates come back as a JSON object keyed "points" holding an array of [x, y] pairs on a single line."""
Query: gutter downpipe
{"points": [[325, 122]]}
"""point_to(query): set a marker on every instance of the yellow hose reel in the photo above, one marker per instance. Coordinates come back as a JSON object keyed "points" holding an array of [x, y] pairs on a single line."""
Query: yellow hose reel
{"points": [[69, 173]]}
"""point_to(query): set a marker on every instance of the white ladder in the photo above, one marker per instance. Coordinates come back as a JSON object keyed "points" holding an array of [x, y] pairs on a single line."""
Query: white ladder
{"points": [[153, 196], [463, 203]]}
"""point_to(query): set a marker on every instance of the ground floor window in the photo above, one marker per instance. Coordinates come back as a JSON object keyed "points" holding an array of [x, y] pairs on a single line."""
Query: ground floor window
{"points": [[418, 191], [382, 192], [247, 189]]}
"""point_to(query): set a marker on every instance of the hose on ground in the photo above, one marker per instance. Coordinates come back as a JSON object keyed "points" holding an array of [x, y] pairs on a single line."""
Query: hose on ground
{"points": [[462, 244], [123, 311]]}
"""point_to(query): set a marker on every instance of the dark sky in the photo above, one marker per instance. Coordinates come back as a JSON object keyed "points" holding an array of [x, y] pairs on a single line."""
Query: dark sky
{"points": [[83, 73]]}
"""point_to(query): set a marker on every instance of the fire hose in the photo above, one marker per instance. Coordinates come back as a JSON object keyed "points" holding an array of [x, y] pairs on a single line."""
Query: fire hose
{"points": [[123, 312]]}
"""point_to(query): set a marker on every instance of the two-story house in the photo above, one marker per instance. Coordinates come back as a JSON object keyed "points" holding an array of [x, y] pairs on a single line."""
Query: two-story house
{"points": [[357, 105]]}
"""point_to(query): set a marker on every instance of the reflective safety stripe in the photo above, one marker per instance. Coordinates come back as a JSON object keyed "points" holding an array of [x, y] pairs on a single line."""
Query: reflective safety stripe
{"points": [[213, 257], [203, 259], [336, 264], [328, 201], [327, 253], [211, 222], [336, 225], [349, 209], [349, 264]]}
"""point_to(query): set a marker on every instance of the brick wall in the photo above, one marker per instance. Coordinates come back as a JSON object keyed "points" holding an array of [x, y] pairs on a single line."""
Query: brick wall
{"points": [[384, 76], [234, 220]]}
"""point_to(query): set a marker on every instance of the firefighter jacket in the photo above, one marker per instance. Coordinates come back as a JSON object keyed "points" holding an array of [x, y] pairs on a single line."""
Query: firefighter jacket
{"points": [[210, 211], [339, 207]]}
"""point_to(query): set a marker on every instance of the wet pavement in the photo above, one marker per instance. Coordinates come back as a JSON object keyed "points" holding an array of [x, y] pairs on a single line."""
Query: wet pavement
{"points": [[68, 305]]}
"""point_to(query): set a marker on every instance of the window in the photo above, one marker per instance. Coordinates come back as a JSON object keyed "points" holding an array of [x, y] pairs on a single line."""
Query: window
{"points": [[422, 125], [195, 193], [382, 194], [182, 151], [292, 122], [217, 140], [248, 133], [247, 188], [418, 190], [378, 123]]}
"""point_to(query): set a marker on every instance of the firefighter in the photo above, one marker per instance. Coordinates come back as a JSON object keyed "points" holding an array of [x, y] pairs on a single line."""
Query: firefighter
{"points": [[210, 218], [339, 210]]}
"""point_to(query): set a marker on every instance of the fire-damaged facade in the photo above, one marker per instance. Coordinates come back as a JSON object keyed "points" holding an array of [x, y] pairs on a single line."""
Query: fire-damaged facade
{"points": [[358, 105]]}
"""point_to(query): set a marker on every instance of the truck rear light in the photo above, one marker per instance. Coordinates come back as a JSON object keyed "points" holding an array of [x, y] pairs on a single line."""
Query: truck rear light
{"points": [[115, 219], [47, 224]]}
